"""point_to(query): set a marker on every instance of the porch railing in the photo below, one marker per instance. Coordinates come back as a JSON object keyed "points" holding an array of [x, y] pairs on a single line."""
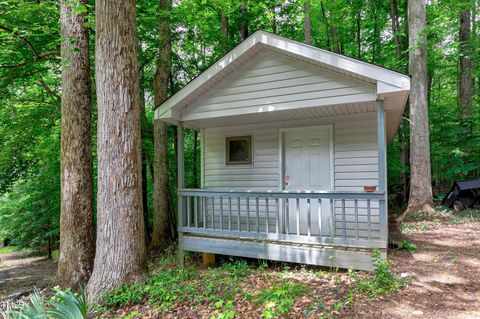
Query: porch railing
{"points": [[352, 219]]}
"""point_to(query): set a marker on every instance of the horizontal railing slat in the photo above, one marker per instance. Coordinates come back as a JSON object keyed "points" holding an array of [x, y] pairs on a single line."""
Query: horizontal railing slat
{"points": [[297, 239], [379, 195]]}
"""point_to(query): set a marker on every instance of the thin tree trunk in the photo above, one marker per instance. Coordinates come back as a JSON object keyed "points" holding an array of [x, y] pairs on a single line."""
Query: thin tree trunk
{"points": [[465, 84], [121, 255], [336, 44], [322, 8], [146, 133], [77, 241], [400, 48], [359, 39], [307, 23], [395, 27], [224, 32], [161, 220], [420, 170], [244, 22], [145, 199]]}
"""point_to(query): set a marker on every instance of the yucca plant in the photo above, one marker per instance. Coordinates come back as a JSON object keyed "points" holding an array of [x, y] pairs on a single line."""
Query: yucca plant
{"points": [[34, 309], [68, 305], [64, 304]]}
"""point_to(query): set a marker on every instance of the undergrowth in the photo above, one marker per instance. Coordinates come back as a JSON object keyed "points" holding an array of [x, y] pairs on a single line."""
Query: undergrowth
{"points": [[383, 281], [168, 286], [279, 299], [223, 292]]}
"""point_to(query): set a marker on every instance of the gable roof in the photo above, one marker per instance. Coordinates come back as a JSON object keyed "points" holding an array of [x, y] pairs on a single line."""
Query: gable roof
{"points": [[387, 82]]}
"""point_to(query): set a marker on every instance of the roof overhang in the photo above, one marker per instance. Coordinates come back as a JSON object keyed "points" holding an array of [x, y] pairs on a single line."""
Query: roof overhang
{"points": [[391, 86]]}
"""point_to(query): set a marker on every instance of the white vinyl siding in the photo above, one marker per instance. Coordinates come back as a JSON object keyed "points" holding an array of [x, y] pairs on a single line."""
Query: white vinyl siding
{"points": [[275, 82], [261, 175], [356, 155]]}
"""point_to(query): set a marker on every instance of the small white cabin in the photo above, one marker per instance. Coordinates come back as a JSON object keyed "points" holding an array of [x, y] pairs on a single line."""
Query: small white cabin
{"points": [[293, 164]]}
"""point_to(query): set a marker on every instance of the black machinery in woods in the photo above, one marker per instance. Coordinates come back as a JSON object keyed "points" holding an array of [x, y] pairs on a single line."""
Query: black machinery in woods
{"points": [[464, 194]]}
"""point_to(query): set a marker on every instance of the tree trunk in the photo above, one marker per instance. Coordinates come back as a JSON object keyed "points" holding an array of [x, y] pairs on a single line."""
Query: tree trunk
{"points": [[400, 48], [327, 24], [161, 220], [244, 22], [77, 242], [465, 84], [307, 23], [121, 255], [336, 45], [145, 199], [359, 39], [146, 133], [420, 171], [224, 32]]}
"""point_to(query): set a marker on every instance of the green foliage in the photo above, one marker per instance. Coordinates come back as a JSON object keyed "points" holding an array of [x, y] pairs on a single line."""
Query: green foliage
{"points": [[30, 89], [406, 245], [279, 299], [64, 304], [172, 284], [383, 282]]}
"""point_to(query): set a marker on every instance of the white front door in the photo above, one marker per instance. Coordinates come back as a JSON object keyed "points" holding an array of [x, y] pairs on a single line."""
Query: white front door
{"points": [[307, 167]]}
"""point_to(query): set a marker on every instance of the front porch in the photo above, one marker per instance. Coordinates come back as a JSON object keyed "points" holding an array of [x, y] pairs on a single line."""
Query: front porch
{"points": [[336, 229]]}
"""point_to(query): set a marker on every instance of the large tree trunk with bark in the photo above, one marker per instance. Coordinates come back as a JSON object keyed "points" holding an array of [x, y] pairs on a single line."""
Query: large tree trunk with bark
{"points": [[77, 242], [121, 255], [465, 83], [161, 220], [420, 171], [307, 23]]}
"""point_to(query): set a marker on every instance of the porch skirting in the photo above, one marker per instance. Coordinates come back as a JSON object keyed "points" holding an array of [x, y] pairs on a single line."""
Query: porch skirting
{"points": [[312, 254]]}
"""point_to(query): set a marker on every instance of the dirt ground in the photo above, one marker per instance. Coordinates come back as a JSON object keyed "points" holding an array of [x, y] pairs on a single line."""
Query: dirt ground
{"points": [[21, 272], [445, 272], [444, 277]]}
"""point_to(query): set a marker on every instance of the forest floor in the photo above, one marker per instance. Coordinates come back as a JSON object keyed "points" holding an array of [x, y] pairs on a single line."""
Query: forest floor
{"points": [[23, 271], [440, 278], [444, 269]]}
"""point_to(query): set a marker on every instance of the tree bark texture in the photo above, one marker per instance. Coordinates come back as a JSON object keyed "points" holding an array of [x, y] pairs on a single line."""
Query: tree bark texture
{"points": [[77, 242], [121, 255], [161, 220], [420, 172], [465, 83], [307, 23]]}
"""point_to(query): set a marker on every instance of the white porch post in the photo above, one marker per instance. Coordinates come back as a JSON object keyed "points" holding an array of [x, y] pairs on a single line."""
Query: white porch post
{"points": [[382, 169], [181, 184]]}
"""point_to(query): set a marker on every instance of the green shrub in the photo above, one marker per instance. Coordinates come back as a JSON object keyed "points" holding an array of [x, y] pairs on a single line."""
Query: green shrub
{"points": [[170, 285], [383, 282], [406, 245], [279, 299]]}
